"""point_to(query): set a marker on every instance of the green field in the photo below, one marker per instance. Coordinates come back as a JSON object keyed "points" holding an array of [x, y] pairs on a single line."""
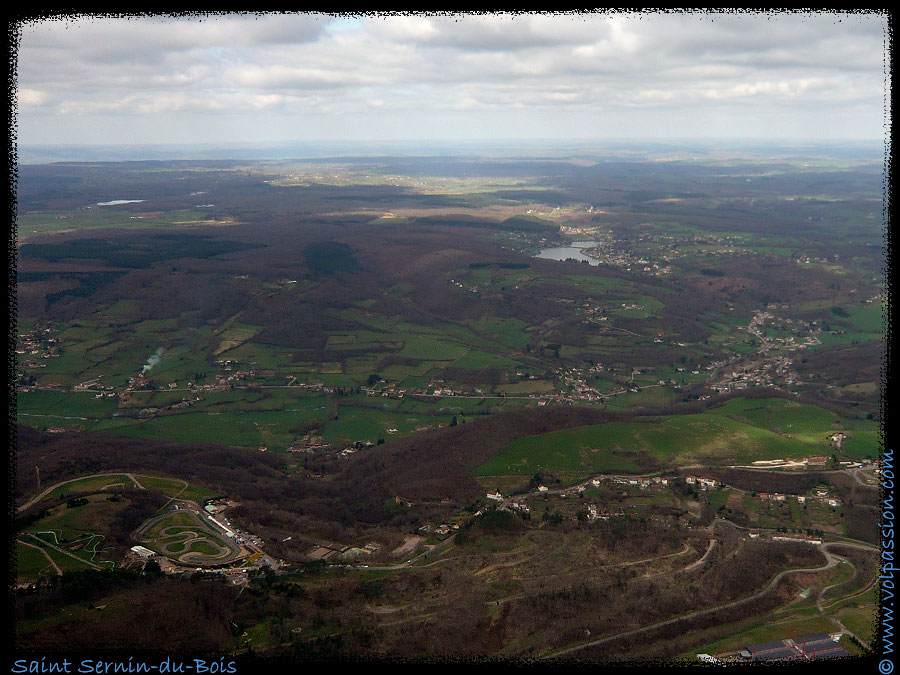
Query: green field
{"points": [[806, 423], [739, 432], [91, 484], [31, 563], [171, 487], [66, 563]]}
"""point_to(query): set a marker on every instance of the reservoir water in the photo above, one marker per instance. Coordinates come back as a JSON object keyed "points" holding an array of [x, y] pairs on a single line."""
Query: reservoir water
{"points": [[573, 250], [116, 202]]}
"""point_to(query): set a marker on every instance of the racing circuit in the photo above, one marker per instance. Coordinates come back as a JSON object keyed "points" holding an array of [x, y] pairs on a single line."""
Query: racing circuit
{"points": [[186, 538]]}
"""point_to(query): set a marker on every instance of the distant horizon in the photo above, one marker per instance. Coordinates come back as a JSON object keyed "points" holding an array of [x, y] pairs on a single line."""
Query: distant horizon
{"points": [[34, 153], [249, 77]]}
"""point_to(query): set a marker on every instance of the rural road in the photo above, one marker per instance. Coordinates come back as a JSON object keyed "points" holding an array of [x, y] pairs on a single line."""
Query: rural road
{"points": [[64, 552], [27, 505], [832, 560], [46, 555]]}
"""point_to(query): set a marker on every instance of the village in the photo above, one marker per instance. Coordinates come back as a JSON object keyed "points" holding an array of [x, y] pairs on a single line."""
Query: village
{"points": [[571, 384], [654, 253], [772, 365], [583, 507]]}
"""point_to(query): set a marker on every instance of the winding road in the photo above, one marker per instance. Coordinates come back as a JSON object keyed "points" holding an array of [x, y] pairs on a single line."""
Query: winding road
{"points": [[27, 505], [831, 559]]}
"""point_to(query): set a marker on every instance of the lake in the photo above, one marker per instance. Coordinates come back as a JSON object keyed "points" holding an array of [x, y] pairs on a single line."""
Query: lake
{"points": [[573, 250], [116, 202]]}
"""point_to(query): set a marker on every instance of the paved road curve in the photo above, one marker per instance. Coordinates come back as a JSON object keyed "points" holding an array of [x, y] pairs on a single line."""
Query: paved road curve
{"points": [[832, 560]]}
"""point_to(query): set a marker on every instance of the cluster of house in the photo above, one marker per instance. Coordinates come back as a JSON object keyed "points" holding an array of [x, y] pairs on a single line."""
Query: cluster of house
{"points": [[439, 388], [763, 374], [766, 372], [95, 384], [39, 342], [224, 382], [594, 514], [309, 442], [609, 253], [389, 390], [353, 552], [594, 311], [640, 481], [216, 505], [444, 529], [328, 552], [821, 495], [577, 380], [703, 482], [459, 284], [349, 450], [137, 382], [27, 381], [184, 403]]}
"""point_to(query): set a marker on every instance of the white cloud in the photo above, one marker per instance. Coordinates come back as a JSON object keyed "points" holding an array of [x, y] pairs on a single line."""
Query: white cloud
{"points": [[31, 97], [254, 76], [427, 67]]}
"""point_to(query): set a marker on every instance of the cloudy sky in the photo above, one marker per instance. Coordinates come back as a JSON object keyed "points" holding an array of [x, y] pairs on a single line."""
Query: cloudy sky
{"points": [[302, 77]]}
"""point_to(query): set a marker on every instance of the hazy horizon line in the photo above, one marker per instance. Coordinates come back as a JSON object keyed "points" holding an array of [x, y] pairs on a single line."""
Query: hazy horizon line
{"points": [[46, 153]]}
